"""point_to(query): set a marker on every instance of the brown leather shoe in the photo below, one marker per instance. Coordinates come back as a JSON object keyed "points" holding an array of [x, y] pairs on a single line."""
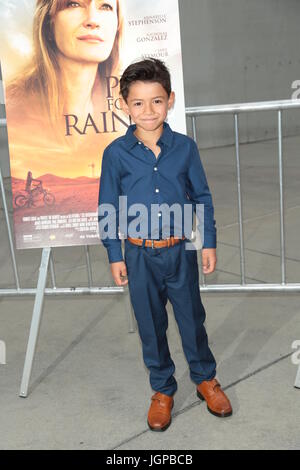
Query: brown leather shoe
{"points": [[159, 414], [217, 402]]}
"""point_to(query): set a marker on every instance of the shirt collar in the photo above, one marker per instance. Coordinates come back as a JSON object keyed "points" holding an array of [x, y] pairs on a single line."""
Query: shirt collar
{"points": [[165, 138]]}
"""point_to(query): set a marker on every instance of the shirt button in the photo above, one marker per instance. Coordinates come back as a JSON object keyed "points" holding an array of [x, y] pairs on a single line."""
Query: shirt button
{"points": [[159, 214], [155, 168], [157, 190], [146, 148], [139, 143]]}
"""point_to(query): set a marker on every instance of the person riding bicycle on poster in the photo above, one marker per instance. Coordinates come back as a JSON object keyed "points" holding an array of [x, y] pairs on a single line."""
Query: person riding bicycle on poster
{"points": [[33, 192], [29, 181]]}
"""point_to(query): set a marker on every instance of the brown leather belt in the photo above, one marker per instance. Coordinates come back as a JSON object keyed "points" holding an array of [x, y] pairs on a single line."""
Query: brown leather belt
{"points": [[156, 243]]}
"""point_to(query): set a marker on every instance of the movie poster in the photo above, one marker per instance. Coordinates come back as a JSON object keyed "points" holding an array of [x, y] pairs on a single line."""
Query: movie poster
{"points": [[61, 64]]}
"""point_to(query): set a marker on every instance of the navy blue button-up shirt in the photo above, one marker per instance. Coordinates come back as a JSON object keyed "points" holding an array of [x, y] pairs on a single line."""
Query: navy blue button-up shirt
{"points": [[131, 169]]}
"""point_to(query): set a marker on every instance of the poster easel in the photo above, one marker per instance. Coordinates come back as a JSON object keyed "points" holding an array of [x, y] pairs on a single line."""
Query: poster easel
{"points": [[37, 317]]}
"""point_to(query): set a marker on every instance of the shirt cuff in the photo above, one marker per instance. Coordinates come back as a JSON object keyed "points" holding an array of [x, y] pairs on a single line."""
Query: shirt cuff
{"points": [[115, 254], [210, 241]]}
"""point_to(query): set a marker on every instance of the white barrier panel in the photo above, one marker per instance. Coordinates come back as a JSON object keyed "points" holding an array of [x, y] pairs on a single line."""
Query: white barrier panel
{"points": [[235, 110]]}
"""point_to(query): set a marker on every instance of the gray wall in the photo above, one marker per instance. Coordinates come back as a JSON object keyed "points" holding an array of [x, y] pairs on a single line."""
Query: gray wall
{"points": [[240, 51], [235, 51]]}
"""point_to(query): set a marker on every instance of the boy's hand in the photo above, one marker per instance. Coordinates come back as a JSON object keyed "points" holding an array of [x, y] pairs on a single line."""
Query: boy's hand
{"points": [[119, 272], [209, 260]]}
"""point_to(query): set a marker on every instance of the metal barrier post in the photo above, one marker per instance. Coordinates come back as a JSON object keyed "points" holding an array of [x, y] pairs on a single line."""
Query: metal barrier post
{"points": [[240, 206], [201, 274], [194, 128], [281, 200], [88, 265], [52, 271]]}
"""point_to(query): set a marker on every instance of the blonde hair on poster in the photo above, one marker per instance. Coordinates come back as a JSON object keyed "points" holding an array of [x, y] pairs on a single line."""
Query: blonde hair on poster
{"points": [[41, 76]]}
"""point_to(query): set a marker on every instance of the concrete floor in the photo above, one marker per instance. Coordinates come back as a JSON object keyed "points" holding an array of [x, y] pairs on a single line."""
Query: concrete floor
{"points": [[89, 387]]}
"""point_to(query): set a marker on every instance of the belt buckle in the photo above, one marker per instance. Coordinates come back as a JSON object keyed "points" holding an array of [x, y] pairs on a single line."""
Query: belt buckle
{"points": [[152, 243]]}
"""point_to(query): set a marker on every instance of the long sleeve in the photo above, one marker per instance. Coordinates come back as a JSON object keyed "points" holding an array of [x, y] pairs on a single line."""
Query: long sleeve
{"points": [[108, 216], [199, 193]]}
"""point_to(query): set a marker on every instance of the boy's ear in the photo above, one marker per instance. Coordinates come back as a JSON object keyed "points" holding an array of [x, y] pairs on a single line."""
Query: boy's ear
{"points": [[124, 105], [171, 100]]}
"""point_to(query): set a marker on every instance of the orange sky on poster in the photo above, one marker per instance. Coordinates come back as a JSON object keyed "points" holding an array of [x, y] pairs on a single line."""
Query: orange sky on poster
{"points": [[37, 149]]}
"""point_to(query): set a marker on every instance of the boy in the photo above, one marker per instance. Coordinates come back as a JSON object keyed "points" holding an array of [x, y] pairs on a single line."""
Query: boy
{"points": [[153, 165]]}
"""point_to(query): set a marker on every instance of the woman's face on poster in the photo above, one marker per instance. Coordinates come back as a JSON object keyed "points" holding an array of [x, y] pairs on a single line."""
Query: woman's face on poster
{"points": [[85, 30]]}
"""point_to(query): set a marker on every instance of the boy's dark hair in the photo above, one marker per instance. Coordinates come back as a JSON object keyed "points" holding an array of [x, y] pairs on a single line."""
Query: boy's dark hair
{"points": [[148, 70]]}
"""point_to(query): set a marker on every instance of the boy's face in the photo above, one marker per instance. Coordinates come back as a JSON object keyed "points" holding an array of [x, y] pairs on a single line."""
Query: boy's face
{"points": [[148, 104]]}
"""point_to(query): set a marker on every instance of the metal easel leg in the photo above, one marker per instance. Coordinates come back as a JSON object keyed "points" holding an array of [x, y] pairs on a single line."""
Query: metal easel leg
{"points": [[35, 322]]}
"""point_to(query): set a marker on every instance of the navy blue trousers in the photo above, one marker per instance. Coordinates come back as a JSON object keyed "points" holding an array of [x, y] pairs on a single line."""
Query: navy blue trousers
{"points": [[154, 276]]}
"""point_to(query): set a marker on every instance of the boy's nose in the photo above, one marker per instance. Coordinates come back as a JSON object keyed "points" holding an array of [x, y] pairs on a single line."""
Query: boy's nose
{"points": [[148, 108]]}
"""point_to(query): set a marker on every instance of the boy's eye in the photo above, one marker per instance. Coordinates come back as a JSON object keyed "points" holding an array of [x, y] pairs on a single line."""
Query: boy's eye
{"points": [[138, 103], [157, 101]]}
